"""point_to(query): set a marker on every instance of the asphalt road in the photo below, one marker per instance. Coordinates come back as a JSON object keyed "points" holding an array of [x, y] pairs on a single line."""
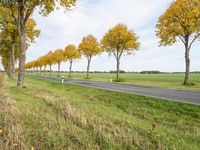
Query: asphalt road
{"points": [[191, 97]]}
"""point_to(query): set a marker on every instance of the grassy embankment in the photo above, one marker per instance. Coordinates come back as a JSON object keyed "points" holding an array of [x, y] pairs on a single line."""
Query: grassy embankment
{"points": [[50, 115], [173, 81]]}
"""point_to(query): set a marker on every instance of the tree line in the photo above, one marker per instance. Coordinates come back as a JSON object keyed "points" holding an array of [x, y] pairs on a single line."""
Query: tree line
{"points": [[180, 22], [117, 41]]}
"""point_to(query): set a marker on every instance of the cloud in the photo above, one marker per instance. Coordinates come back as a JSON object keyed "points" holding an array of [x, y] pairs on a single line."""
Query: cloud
{"points": [[96, 17]]}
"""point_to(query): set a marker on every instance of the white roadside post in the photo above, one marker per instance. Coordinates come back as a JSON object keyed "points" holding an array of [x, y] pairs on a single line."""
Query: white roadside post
{"points": [[62, 79]]}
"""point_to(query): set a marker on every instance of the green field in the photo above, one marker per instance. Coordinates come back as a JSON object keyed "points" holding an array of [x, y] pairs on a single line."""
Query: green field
{"points": [[48, 115], [159, 80]]}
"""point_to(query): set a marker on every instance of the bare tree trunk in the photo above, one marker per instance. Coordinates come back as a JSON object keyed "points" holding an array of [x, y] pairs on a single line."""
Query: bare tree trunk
{"points": [[8, 70], [70, 68], [117, 56], [44, 70], [187, 62], [118, 64], [50, 70], [40, 71], [37, 71], [13, 61], [58, 69], [22, 53], [88, 67], [9, 67]]}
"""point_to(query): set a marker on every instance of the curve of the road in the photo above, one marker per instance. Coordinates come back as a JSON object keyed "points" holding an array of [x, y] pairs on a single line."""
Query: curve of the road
{"points": [[185, 96]]}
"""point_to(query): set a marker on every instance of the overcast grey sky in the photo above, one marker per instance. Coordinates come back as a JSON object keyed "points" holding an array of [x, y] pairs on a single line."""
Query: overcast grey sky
{"points": [[96, 17]]}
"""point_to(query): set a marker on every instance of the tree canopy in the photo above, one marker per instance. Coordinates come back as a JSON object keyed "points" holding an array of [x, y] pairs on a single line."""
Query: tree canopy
{"points": [[71, 52], [181, 19]]}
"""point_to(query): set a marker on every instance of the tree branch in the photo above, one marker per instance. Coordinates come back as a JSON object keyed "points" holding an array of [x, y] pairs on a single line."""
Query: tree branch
{"points": [[194, 40], [181, 38], [115, 54], [120, 55]]}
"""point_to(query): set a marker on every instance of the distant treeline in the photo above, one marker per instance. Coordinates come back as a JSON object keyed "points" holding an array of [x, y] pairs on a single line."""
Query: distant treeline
{"points": [[122, 71]]}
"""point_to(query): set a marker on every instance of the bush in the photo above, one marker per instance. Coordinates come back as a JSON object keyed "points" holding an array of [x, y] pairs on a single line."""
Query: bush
{"points": [[190, 84], [119, 80]]}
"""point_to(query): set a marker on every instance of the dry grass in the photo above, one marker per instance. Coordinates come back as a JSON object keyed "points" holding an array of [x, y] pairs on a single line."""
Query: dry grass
{"points": [[10, 126], [102, 129]]}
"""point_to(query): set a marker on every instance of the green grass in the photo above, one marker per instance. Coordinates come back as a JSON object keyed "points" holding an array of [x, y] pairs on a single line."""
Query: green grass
{"points": [[158, 80], [61, 116]]}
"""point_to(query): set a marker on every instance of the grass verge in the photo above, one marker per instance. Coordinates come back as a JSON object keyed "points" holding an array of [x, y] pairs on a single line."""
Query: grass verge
{"points": [[60, 116], [11, 133]]}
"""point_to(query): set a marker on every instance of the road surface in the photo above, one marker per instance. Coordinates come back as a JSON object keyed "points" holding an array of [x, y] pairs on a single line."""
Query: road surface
{"points": [[185, 96]]}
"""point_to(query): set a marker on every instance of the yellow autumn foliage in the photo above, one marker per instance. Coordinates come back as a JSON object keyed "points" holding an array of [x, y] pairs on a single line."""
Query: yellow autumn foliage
{"points": [[181, 20], [89, 46]]}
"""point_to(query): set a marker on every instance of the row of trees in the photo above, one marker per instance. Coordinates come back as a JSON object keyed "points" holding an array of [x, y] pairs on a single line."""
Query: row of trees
{"points": [[20, 12], [70, 53], [181, 21], [9, 40], [117, 41]]}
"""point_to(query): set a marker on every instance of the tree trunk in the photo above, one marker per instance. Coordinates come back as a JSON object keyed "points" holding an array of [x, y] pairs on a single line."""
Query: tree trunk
{"points": [[88, 67], [70, 68], [50, 70], [44, 70], [117, 56], [22, 53], [12, 61], [8, 70], [9, 67], [58, 69], [40, 71], [118, 64], [187, 62], [37, 71]]}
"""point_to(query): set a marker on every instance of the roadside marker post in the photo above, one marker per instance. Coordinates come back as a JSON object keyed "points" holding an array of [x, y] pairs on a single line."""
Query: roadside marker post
{"points": [[62, 79]]}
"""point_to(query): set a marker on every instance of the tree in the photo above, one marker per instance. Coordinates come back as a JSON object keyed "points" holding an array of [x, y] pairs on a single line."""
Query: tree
{"points": [[89, 47], [8, 48], [119, 40], [58, 57], [50, 61], [9, 42], [10, 39], [21, 10], [71, 53], [180, 21]]}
